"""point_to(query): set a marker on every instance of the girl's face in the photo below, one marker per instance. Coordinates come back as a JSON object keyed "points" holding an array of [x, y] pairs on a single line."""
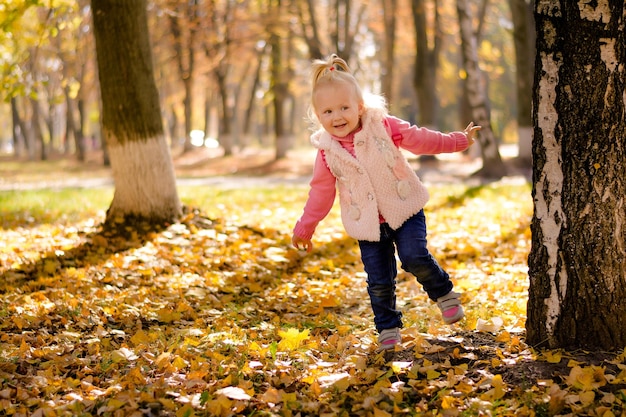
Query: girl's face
{"points": [[338, 108]]}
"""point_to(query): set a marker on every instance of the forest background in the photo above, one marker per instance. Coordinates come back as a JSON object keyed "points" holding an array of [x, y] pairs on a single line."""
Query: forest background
{"points": [[221, 66]]}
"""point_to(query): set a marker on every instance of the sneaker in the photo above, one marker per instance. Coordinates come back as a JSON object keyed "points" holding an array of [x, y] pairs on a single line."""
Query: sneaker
{"points": [[389, 338], [450, 306]]}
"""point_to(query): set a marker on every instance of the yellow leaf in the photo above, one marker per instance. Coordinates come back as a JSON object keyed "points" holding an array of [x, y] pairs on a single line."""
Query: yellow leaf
{"points": [[167, 315], [329, 302], [290, 399], [114, 404], [448, 402], [219, 406], [498, 386], [343, 330], [272, 396], [50, 266], [135, 376], [553, 356], [503, 337], [587, 397], [342, 385], [140, 338], [497, 391], [586, 379], [185, 411], [292, 338], [571, 363], [432, 374], [380, 413], [179, 363], [464, 387]]}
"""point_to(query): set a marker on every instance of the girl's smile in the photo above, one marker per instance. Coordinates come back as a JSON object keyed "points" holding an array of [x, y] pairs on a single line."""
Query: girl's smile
{"points": [[338, 108]]}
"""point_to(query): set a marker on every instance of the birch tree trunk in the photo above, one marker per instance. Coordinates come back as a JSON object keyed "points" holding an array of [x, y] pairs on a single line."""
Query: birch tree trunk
{"points": [[576, 265], [493, 167], [132, 128]]}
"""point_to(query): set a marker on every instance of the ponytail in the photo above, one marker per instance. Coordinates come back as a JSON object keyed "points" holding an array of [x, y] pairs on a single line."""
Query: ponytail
{"points": [[329, 69]]}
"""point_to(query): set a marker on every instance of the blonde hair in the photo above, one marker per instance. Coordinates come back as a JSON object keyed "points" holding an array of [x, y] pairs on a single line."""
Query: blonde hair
{"points": [[335, 70]]}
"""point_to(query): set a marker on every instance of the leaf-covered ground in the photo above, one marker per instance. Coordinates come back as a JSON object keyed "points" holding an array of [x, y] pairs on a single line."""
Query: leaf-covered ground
{"points": [[218, 315]]}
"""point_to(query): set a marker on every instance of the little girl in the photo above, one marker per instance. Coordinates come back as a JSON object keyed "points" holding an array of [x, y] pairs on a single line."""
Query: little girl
{"points": [[381, 197]]}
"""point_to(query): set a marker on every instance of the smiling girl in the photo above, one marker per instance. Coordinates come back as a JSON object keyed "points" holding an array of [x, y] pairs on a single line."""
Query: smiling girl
{"points": [[381, 197]]}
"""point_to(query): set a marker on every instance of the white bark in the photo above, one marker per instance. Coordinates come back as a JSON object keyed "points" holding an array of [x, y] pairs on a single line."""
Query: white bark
{"points": [[144, 180], [548, 199], [600, 12]]}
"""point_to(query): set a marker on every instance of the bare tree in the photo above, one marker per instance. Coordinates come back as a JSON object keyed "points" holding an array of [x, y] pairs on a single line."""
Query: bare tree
{"points": [[493, 167], [310, 29], [184, 22]]}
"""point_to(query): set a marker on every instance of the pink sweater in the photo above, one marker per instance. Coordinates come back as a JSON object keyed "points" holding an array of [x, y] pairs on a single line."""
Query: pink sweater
{"points": [[419, 141]]}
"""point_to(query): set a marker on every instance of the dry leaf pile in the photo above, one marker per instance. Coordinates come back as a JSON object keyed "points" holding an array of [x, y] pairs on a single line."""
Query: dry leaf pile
{"points": [[217, 315]]}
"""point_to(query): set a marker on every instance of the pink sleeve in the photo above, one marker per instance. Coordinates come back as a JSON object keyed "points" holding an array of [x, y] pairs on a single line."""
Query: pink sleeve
{"points": [[320, 201], [423, 141]]}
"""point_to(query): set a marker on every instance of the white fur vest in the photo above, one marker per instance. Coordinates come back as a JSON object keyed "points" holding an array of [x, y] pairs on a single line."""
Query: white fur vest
{"points": [[378, 181]]}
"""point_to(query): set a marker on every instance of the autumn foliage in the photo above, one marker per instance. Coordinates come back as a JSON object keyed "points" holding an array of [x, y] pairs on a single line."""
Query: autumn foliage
{"points": [[217, 315]]}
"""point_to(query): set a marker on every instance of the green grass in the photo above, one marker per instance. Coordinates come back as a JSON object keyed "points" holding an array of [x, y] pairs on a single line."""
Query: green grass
{"points": [[28, 207]]}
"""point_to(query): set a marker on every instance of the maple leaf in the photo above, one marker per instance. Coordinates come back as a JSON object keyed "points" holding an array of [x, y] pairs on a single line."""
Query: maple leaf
{"points": [[292, 339], [586, 378]]}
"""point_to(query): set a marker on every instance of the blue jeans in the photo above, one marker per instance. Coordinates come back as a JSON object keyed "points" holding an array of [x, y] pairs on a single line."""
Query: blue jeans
{"points": [[380, 265]]}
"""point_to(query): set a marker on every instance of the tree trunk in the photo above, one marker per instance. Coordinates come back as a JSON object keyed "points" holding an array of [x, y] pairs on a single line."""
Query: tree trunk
{"points": [[247, 122], [142, 168], [576, 264], [279, 90], [72, 129], [184, 47], [524, 41], [310, 30], [20, 142], [493, 167], [225, 136], [80, 130], [279, 84], [426, 63], [389, 16], [37, 131]]}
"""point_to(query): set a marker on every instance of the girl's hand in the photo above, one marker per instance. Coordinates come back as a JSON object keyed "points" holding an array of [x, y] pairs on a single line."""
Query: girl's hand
{"points": [[470, 131], [301, 244]]}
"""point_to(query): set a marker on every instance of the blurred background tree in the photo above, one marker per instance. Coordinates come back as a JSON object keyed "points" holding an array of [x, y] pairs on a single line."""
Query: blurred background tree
{"points": [[234, 74]]}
